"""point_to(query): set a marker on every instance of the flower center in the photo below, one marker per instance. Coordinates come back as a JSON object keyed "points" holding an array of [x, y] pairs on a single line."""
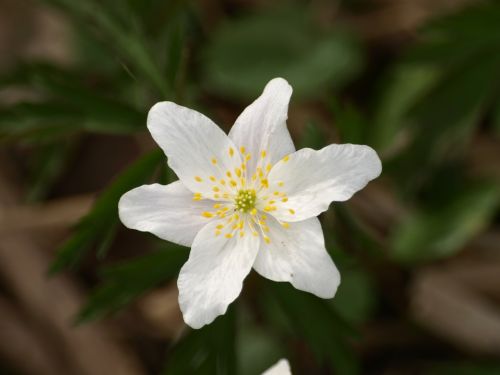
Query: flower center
{"points": [[245, 200]]}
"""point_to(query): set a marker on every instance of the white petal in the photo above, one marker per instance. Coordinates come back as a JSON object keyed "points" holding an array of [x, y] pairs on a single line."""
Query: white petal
{"points": [[298, 255], [313, 179], [280, 368], [262, 125], [213, 276], [192, 142], [168, 211]]}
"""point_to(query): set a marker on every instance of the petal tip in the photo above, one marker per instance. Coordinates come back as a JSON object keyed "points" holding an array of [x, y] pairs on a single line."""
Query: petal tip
{"points": [[278, 83]]}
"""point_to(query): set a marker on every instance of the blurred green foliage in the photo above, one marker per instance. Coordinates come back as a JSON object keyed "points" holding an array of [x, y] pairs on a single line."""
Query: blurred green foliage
{"points": [[423, 113], [247, 52]]}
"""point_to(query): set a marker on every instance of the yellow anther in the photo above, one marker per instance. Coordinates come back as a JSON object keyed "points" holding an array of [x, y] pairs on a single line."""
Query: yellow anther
{"points": [[242, 149], [217, 232], [263, 154], [253, 211], [285, 199], [217, 205], [248, 157], [267, 239], [198, 178], [238, 172], [272, 202], [220, 226], [263, 217], [235, 226], [259, 171], [214, 161], [276, 193], [222, 182], [216, 196], [285, 225], [225, 195], [216, 189], [240, 224], [268, 167], [233, 183], [228, 174], [286, 158], [291, 211], [242, 233], [207, 214], [281, 183], [255, 234], [231, 151], [264, 182], [243, 166], [212, 178], [229, 235]]}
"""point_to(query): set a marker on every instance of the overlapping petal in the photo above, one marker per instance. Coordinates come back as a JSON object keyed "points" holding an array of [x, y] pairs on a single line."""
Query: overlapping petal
{"points": [[282, 367], [198, 151], [168, 211], [213, 276], [297, 254], [262, 125], [313, 179]]}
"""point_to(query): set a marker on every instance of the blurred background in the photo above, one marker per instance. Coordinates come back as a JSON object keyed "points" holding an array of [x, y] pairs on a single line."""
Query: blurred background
{"points": [[418, 249]]}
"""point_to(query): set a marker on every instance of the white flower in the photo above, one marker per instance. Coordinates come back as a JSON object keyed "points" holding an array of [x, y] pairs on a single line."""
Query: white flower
{"points": [[245, 200], [282, 367]]}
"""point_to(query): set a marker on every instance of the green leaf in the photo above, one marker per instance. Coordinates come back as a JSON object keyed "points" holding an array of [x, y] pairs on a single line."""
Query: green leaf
{"points": [[257, 350], [209, 350], [351, 123], [125, 37], [68, 104], [312, 137], [403, 86], [444, 229], [356, 298], [315, 321], [128, 280], [246, 53], [444, 121], [442, 83], [104, 215], [49, 162]]}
